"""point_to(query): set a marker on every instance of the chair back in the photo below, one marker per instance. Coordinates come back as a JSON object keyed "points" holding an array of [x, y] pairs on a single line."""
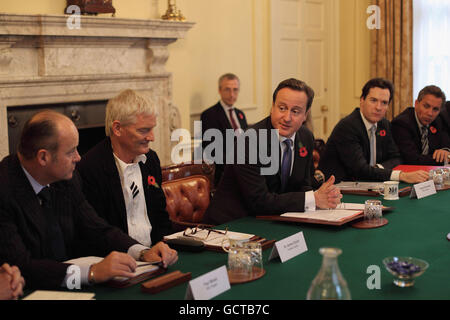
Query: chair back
{"points": [[187, 199]]}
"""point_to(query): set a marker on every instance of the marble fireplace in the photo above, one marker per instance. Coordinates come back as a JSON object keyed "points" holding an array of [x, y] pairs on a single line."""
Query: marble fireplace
{"points": [[44, 63]]}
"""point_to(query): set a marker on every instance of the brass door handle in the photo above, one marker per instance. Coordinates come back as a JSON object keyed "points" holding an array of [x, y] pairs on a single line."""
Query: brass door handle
{"points": [[324, 108]]}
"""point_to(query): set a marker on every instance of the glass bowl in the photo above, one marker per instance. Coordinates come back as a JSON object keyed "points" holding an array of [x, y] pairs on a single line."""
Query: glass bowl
{"points": [[405, 269]]}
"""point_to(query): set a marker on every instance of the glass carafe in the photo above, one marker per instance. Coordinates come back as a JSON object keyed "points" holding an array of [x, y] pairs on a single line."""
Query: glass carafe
{"points": [[329, 284]]}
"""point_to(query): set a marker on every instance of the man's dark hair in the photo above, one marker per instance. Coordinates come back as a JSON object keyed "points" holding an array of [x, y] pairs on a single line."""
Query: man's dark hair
{"points": [[296, 85], [378, 83], [36, 135], [433, 90]]}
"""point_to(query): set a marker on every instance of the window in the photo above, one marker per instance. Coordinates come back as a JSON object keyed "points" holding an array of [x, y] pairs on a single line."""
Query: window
{"points": [[431, 45]]}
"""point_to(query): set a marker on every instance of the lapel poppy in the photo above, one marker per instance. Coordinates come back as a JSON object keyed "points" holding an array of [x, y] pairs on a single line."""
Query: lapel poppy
{"points": [[433, 130], [152, 181], [303, 152], [382, 133], [241, 116]]}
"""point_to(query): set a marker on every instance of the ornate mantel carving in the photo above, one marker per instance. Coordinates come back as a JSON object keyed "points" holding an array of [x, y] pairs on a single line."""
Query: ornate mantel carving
{"points": [[42, 60]]}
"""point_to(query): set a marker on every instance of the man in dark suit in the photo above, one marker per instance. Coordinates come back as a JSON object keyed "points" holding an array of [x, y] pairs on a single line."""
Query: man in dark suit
{"points": [[45, 219], [361, 146], [247, 189], [224, 115], [445, 116], [122, 176], [419, 132]]}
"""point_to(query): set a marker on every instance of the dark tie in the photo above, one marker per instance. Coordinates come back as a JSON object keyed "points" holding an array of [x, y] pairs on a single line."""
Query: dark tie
{"points": [[425, 147], [373, 151], [54, 236], [233, 123], [286, 164]]}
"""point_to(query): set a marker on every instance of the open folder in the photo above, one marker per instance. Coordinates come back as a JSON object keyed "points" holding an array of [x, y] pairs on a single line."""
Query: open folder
{"points": [[344, 213]]}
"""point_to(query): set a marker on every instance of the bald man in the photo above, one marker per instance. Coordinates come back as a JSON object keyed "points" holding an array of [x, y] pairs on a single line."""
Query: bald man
{"points": [[45, 219]]}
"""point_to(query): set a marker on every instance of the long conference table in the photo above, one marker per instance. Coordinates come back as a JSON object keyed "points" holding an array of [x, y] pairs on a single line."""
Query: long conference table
{"points": [[416, 228]]}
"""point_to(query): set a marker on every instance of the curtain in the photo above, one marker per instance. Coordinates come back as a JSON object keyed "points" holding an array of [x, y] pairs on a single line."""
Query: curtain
{"points": [[391, 51], [432, 45]]}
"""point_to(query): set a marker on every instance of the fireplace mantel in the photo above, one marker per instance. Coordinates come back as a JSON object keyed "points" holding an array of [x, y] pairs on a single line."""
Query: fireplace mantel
{"points": [[43, 61]]}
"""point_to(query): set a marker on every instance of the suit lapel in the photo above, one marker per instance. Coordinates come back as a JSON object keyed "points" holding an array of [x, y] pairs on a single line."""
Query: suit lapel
{"points": [[365, 135], [27, 199], [222, 117], [113, 183]]}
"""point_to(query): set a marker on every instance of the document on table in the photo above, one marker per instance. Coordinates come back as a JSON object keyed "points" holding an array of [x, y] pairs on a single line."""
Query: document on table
{"points": [[59, 295], [362, 186], [213, 239], [324, 215], [142, 266]]}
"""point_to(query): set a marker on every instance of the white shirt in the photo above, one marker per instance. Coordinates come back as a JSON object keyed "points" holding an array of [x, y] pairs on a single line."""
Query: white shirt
{"points": [[227, 112], [395, 175], [310, 201], [139, 227]]}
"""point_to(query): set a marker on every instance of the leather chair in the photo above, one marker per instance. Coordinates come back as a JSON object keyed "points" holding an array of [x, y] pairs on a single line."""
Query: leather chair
{"points": [[187, 200], [187, 169]]}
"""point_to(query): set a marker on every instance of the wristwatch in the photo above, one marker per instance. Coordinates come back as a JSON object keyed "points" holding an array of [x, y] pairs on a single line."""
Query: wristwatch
{"points": [[141, 255]]}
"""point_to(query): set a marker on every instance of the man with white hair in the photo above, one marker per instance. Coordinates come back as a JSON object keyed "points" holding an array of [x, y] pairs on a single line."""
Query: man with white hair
{"points": [[122, 175]]}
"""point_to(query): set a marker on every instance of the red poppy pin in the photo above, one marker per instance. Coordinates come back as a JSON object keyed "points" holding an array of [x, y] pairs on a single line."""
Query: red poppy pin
{"points": [[241, 116], [382, 133], [152, 181], [433, 130], [303, 152]]}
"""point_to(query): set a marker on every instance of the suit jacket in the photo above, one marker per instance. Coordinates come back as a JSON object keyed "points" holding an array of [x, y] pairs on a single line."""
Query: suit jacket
{"points": [[445, 116], [103, 190], [347, 151], [23, 226], [244, 191], [216, 118], [409, 138]]}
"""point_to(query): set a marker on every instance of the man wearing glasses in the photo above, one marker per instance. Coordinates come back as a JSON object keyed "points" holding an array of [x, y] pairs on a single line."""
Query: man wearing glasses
{"points": [[245, 190]]}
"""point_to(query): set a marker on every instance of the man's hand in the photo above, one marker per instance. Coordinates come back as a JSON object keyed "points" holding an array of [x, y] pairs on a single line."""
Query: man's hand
{"points": [[11, 282], [440, 155], [116, 264], [328, 195], [161, 252], [414, 176]]}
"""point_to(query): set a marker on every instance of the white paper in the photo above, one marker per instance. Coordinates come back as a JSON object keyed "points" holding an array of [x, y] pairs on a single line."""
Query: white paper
{"points": [[209, 285], [324, 215], [423, 189], [87, 261], [214, 239], [289, 247], [350, 206], [59, 295], [363, 186]]}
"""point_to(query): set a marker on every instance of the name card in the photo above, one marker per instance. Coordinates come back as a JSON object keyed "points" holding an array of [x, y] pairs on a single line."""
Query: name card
{"points": [[424, 189], [289, 247], [208, 285]]}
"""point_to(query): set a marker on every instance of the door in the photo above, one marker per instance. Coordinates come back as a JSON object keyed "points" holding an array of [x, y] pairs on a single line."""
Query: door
{"points": [[305, 45]]}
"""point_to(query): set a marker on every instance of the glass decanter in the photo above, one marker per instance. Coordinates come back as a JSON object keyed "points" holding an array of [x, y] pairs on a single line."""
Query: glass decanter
{"points": [[329, 284]]}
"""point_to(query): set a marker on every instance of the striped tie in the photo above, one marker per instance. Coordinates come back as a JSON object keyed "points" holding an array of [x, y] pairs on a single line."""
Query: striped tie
{"points": [[425, 147]]}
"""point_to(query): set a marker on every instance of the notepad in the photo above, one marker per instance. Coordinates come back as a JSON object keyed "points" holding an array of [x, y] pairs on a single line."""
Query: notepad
{"points": [[59, 295], [324, 215], [91, 260]]}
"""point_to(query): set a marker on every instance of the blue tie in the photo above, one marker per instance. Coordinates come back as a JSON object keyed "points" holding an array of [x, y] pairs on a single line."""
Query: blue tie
{"points": [[286, 164]]}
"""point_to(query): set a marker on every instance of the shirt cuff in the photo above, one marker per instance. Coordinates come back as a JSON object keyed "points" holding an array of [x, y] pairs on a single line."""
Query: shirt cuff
{"points": [[395, 175], [135, 250], [310, 201]]}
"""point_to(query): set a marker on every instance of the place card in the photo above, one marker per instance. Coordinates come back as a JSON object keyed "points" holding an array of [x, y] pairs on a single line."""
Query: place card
{"points": [[422, 190], [289, 247], [208, 285]]}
